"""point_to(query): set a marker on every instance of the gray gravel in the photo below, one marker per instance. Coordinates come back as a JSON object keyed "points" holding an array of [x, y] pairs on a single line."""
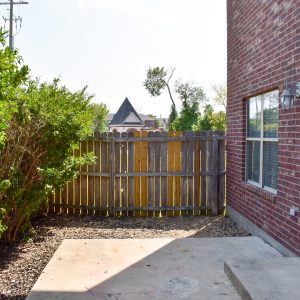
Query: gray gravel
{"points": [[21, 264]]}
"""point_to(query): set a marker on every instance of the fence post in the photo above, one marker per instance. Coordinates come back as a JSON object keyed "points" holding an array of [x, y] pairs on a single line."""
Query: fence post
{"points": [[214, 176], [111, 175]]}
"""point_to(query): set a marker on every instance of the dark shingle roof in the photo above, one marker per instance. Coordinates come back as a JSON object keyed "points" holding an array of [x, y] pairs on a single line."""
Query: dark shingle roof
{"points": [[125, 109]]}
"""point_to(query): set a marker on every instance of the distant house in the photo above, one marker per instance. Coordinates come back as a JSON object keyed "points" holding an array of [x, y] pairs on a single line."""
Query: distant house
{"points": [[127, 119], [163, 123]]}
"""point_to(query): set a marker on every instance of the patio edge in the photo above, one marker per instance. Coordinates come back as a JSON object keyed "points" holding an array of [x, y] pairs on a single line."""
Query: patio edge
{"points": [[236, 282], [254, 230]]}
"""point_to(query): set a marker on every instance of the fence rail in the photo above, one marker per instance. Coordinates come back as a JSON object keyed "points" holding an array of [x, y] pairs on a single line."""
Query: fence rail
{"points": [[148, 174]]}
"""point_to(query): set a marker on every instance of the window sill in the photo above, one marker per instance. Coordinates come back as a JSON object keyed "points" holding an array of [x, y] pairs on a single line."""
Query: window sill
{"points": [[259, 191]]}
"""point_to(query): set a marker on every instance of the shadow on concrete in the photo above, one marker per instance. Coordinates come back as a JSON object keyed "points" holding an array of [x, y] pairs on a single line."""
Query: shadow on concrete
{"points": [[145, 269]]}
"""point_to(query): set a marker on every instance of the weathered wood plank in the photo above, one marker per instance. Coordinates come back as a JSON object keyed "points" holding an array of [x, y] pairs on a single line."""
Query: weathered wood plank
{"points": [[164, 168], [170, 180], [117, 190], [83, 190], [70, 196], [190, 168], [157, 169], [212, 180], [221, 179], [77, 184], [51, 200], [203, 147], [138, 208], [57, 199], [97, 179], [91, 180], [131, 152], [104, 181], [64, 198], [137, 168], [144, 180], [183, 179], [151, 160], [112, 170], [124, 185], [177, 150], [197, 175], [151, 174], [160, 139]]}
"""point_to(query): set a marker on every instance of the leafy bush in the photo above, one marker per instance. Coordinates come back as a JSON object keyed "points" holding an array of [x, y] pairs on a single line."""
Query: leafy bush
{"points": [[37, 157], [12, 75]]}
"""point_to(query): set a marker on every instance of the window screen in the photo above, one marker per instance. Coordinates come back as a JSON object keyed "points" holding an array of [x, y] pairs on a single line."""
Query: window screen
{"points": [[270, 165], [254, 117], [262, 136], [253, 160], [270, 115]]}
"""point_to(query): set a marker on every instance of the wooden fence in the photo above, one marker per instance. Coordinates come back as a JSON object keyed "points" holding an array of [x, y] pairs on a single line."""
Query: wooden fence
{"points": [[148, 174]]}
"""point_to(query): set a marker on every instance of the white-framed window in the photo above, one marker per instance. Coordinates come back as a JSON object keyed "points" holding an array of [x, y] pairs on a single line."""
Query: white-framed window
{"points": [[262, 140]]}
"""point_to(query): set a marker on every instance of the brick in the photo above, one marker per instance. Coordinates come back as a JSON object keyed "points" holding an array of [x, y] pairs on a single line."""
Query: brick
{"points": [[263, 51]]}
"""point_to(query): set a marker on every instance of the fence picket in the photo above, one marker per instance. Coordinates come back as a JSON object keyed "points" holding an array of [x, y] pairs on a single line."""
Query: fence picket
{"points": [[203, 147], [163, 168], [221, 178], [83, 189], [91, 181], [177, 187], [190, 168], [104, 169], [144, 184], [197, 183], [77, 184], [157, 179], [97, 180], [170, 180], [124, 186], [183, 179], [151, 159], [117, 180], [130, 169], [137, 179]]}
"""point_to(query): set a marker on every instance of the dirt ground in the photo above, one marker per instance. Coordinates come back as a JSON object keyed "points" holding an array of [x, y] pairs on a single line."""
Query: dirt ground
{"points": [[21, 264]]}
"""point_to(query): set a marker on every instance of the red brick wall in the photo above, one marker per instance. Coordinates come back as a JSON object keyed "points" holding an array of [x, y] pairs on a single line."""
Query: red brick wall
{"points": [[264, 51]]}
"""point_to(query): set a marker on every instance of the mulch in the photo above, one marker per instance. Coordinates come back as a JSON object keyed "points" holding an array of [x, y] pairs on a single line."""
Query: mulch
{"points": [[22, 263]]}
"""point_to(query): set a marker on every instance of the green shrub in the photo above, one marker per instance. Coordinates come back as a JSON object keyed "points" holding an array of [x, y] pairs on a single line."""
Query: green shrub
{"points": [[37, 157]]}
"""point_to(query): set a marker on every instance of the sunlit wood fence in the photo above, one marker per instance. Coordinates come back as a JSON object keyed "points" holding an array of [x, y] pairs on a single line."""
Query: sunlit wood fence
{"points": [[148, 174]]}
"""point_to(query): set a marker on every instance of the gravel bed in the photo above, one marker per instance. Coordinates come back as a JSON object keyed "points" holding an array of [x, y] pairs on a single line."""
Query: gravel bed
{"points": [[21, 264]]}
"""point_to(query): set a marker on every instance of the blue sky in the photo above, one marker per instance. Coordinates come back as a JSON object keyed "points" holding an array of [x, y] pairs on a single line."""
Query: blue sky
{"points": [[109, 44]]}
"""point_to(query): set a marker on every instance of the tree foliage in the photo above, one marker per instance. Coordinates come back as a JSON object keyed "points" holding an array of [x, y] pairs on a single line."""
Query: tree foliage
{"points": [[191, 96], [172, 117], [210, 120], [99, 111], [220, 96], [37, 157], [12, 74], [157, 80]]}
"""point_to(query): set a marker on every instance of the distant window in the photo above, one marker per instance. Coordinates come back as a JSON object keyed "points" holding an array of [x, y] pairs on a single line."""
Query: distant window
{"points": [[262, 140]]}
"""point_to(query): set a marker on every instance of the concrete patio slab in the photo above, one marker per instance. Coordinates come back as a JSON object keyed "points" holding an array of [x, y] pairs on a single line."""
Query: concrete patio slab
{"points": [[264, 279], [191, 268]]}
